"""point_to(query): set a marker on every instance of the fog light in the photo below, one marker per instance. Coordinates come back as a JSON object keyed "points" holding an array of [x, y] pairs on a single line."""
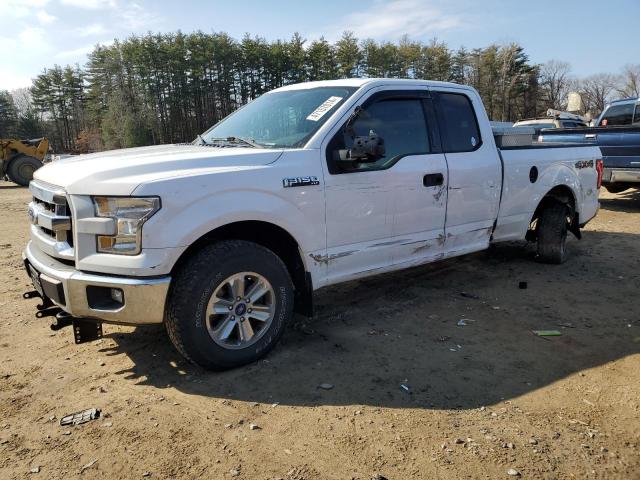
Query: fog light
{"points": [[117, 295]]}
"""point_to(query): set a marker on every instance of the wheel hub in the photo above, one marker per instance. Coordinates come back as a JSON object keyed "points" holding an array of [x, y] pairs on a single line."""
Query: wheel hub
{"points": [[240, 310]]}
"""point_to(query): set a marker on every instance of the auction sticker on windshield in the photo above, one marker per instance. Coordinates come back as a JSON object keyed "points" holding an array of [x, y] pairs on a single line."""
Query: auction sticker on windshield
{"points": [[327, 105]]}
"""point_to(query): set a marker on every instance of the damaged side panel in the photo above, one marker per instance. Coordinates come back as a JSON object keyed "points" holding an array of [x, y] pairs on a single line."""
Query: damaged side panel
{"points": [[349, 261], [468, 238], [424, 247], [326, 259]]}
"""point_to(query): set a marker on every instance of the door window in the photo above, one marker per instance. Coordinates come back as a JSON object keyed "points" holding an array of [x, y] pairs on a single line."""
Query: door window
{"points": [[636, 118], [458, 122], [400, 122]]}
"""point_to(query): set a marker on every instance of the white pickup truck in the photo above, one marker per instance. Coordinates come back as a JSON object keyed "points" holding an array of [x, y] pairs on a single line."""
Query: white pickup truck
{"points": [[307, 186]]}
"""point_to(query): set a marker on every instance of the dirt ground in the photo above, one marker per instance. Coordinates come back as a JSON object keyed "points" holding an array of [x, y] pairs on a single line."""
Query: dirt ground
{"points": [[482, 398]]}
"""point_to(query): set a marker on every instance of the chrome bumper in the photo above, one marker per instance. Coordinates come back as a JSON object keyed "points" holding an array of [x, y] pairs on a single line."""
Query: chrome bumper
{"points": [[144, 298], [614, 175]]}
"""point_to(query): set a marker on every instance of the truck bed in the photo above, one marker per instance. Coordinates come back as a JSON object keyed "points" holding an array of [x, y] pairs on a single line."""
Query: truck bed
{"points": [[529, 174]]}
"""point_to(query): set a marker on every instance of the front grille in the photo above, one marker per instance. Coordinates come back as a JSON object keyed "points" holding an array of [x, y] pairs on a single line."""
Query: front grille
{"points": [[52, 219]]}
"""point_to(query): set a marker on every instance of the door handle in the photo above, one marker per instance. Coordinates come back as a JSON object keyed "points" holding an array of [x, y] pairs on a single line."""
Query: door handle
{"points": [[433, 179]]}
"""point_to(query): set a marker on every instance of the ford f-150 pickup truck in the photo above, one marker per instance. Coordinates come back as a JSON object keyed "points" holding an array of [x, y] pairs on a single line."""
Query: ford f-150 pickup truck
{"points": [[223, 239]]}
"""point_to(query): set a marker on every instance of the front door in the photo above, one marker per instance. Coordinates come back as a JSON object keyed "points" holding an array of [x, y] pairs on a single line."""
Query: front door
{"points": [[384, 212]]}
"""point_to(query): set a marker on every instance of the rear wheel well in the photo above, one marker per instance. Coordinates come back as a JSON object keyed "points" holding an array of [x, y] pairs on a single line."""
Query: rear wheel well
{"points": [[270, 236], [560, 194]]}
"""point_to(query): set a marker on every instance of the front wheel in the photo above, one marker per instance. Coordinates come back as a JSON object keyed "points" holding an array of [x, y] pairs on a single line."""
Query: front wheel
{"points": [[229, 304], [552, 233]]}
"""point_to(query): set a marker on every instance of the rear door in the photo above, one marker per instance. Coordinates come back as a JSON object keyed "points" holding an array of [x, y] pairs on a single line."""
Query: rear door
{"points": [[475, 171], [420, 202]]}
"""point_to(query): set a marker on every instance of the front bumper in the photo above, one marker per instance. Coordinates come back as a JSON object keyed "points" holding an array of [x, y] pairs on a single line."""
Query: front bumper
{"points": [[619, 175], [74, 291]]}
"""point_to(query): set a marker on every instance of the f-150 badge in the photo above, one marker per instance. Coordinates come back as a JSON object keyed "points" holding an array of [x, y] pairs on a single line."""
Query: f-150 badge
{"points": [[299, 181]]}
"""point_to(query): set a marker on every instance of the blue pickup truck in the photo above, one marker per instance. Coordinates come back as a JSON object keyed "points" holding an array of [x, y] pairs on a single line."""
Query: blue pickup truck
{"points": [[617, 135]]}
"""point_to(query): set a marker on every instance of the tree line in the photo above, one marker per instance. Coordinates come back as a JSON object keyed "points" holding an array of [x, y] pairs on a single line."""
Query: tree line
{"points": [[166, 88]]}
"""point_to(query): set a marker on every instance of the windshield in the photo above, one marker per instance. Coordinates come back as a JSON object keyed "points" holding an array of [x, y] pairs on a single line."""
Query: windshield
{"points": [[280, 119]]}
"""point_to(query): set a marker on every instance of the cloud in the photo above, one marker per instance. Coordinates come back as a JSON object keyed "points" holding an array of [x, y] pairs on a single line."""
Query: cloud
{"points": [[125, 15], [90, 30], [29, 43], [79, 54], [90, 4], [9, 44], [391, 19], [44, 18], [20, 8], [33, 39], [136, 17], [75, 53], [10, 80]]}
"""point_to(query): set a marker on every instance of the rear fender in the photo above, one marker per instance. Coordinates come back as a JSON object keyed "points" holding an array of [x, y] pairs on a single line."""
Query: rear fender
{"points": [[562, 183], [564, 188]]}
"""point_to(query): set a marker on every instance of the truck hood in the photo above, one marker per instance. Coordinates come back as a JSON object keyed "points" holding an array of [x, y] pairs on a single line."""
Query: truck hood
{"points": [[119, 172]]}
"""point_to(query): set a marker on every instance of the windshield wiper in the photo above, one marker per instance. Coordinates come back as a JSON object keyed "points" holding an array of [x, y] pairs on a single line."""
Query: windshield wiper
{"points": [[236, 141], [248, 141]]}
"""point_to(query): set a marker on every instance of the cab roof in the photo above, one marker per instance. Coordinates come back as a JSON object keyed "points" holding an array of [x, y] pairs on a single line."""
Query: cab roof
{"points": [[625, 100], [372, 82]]}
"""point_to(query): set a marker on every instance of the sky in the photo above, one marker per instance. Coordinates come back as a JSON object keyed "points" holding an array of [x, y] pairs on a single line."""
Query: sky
{"points": [[592, 35]]}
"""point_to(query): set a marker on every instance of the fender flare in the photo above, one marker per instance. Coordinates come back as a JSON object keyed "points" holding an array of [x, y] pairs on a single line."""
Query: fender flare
{"points": [[559, 193]]}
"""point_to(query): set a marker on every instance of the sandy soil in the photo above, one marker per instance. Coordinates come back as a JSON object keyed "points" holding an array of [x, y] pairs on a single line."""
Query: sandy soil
{"points": [[483, 398]]}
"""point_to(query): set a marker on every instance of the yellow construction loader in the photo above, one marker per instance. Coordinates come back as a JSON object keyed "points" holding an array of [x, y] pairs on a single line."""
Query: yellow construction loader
{"points": [[20, 158]]}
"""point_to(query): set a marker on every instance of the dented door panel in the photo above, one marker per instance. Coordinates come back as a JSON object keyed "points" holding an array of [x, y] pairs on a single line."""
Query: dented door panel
{"points": [[419, 210], [359, 220]]}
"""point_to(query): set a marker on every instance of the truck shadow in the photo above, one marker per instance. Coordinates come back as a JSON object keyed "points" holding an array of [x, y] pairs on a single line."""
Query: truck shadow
{"points": [[627, 201], [371, 337]]}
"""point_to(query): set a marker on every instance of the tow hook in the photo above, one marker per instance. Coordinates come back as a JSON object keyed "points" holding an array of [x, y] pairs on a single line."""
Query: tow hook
{"points": [[63, 319], [49, 312], [30, 294], [84, 330], [46, 303]]}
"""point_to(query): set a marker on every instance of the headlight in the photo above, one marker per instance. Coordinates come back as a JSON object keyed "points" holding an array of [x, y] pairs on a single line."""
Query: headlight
{"points": [[130, 213]]}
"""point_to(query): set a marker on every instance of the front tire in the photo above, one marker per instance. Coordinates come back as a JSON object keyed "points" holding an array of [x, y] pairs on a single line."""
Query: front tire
{"points": [[21, 169], [552, 234], [229, 304]]}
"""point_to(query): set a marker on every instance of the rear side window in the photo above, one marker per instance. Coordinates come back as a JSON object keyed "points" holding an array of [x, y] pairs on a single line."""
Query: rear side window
{"points": [[636, 118], [617, 115], [459, 124]]}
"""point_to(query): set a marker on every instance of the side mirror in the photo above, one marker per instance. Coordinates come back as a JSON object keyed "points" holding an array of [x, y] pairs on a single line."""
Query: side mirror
{"points": [[365, 149]]}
